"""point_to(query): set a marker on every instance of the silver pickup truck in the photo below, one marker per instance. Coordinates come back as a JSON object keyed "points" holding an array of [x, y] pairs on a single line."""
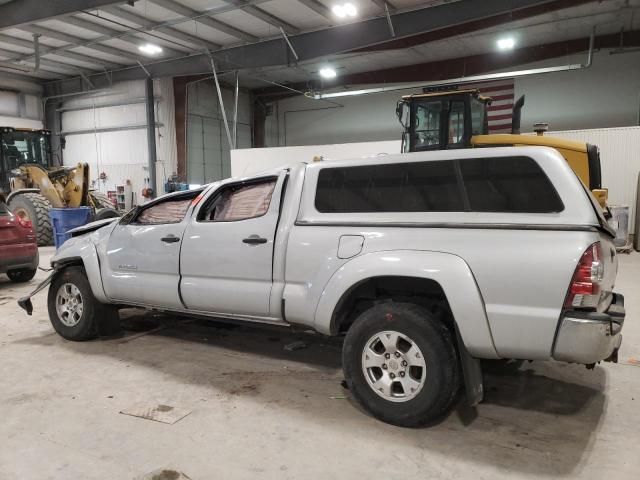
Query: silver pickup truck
{"points": [[425, 262]]}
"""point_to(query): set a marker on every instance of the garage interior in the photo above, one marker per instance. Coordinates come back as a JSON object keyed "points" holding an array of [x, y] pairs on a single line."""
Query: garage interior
{"points": [[158, 96]]}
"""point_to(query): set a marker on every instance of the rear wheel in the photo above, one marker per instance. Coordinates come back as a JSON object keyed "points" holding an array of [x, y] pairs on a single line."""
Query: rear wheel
{"points": [[34, 207], [401, 364], [20, 276], [73, 310]]}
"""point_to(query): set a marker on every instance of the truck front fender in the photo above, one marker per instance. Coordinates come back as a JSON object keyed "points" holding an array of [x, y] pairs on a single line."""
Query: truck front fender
{"points": [[82, 251], [450, 271]]}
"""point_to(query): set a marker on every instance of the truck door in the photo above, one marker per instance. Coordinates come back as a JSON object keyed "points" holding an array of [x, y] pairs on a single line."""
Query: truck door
{"points": [[227, 253], [143, 253]]}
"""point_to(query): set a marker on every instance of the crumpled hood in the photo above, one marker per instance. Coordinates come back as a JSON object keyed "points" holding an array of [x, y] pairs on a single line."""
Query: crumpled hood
{"points": [[90, 227]]}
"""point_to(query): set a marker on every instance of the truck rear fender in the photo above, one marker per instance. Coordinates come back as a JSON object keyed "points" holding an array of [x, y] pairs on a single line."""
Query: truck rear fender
{"points": [[449, 271]]}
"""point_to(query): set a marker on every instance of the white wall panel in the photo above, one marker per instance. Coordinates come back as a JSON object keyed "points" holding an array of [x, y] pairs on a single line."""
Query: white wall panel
{"points": [[121, 155], [620, 160]]}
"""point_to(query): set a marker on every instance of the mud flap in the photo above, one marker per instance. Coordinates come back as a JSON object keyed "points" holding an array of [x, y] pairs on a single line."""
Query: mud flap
{"points": [[25, 302], [472, 373]]}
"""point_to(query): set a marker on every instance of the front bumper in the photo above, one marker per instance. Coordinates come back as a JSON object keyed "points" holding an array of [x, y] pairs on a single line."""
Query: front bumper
{"points": [[589, 337]]}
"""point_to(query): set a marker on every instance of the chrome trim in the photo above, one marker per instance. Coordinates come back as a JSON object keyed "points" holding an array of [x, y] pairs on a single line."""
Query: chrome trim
{"points": [[582, 340]]}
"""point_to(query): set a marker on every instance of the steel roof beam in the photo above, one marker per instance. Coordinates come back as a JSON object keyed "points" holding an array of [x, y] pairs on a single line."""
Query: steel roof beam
{"points": [[45, 50], [210, 22], [79, 42], [150, 25], [319, 8], [381, 3], [49, 65], [17, 13], [111, 33], [321, 43], [264, 16]]}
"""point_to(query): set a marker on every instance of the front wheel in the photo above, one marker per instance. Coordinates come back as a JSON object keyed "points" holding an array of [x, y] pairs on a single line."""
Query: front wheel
{"points": [[73, 310], [400, 364]]}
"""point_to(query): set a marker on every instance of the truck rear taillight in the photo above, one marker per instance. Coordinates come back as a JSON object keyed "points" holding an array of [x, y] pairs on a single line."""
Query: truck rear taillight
{"points": [[584, 290]]}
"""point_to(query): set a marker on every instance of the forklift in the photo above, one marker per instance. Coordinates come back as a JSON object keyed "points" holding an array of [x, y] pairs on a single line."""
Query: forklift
{"points": [[443, 119]]}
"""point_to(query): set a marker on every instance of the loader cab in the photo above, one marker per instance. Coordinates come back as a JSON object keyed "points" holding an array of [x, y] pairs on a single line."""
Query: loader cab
{"points": [[441, 120], [22, 146]]}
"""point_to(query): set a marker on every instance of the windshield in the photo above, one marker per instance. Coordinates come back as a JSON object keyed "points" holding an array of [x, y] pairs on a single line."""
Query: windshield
{"points": [[25, 147], [478, 117]]}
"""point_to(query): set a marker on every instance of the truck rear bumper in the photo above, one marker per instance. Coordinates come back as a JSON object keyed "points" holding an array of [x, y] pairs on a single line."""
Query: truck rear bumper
{"points": [[589, 337]]}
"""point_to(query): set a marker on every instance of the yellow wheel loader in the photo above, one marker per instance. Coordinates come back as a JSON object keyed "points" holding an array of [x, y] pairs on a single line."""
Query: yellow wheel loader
{"points": [[31, 186], [439, 120]]}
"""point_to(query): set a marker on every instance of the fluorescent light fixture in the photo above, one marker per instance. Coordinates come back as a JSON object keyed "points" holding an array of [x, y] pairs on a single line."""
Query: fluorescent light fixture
{"points": [[506, 43], [345, 10], [327, 72], [150, 49]]}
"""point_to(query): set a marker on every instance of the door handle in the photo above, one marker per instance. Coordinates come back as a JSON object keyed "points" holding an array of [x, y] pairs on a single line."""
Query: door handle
{"points": [[170, 239], [254, 240]]}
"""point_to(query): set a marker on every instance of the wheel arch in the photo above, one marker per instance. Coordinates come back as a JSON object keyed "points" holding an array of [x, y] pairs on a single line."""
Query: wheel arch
{"points": [[423, 275], [83, 253]]}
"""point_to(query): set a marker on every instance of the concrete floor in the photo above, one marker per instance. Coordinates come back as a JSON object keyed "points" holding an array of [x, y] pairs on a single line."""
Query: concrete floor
{"points": [[258, 411]]}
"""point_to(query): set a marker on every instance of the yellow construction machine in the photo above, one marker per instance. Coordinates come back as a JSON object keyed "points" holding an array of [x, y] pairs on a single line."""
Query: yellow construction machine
{"points": [[31, 185], [449, 119]]}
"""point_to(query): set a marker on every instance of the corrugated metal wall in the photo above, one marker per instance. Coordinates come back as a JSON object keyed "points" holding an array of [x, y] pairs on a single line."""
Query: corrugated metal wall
{"points": [[208, 149], [620, 160], [122, 153]]}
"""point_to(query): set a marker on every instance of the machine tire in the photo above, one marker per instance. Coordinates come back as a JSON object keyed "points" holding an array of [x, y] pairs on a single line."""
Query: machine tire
{"points": [[95, 318], [102, 213], [101, 200], [419, 342], [36, 208], [21, 276]]}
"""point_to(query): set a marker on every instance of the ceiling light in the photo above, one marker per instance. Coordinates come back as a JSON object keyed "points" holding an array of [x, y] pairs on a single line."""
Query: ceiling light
{"points": [[150, 49], [345, 10], [327, 72], [506, 43]]}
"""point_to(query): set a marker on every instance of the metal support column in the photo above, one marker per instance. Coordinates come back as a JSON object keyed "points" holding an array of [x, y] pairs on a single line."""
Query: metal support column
{"points": [[151, 134], [235, 111]]}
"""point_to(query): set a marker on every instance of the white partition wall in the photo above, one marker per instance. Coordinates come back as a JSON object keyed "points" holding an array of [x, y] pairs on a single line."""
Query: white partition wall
{"points": [[253, 160]]}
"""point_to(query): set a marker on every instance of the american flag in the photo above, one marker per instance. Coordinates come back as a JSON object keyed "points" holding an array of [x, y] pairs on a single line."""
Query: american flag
{"points": [[501, 108]]}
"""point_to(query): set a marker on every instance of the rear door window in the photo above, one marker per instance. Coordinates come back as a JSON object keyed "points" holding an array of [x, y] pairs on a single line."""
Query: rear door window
{"points": [[4, 211], [239, 202]]}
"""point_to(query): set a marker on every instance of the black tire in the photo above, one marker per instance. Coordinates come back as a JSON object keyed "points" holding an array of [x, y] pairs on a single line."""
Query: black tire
{"points": [[101, 200], [21, 276], [442, 372], [103, 213], [35, 207], [95, 317]]}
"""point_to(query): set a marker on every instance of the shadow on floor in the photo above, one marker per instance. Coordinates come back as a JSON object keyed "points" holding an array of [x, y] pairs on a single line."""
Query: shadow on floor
{"points": [[536, 418]]}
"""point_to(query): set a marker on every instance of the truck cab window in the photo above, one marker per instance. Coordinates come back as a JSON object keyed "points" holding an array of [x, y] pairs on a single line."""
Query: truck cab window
{"points": [[239, 202]]}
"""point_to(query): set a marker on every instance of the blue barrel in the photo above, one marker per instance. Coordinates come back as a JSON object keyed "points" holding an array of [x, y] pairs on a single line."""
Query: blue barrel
{"points": [[65, 219]]}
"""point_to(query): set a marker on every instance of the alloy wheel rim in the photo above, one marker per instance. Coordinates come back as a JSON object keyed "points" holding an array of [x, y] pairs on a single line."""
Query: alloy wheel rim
{"points": [[394, 366], [69, 304]]}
